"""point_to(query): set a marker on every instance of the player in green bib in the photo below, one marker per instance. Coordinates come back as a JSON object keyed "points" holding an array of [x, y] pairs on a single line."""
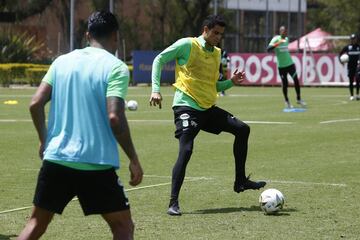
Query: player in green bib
{"points": [[285, 65]]}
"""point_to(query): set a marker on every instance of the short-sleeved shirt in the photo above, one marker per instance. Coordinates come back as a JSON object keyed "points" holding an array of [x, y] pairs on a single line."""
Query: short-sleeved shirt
{"points": [[353, 50], [282, 51], [79, 133]]}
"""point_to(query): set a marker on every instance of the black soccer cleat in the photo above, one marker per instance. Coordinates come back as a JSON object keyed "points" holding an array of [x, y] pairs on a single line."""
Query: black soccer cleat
{"points": [[248, 184], [174, 209]]}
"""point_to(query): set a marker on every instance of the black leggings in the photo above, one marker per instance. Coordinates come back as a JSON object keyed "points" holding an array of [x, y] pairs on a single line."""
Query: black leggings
{"points": [[353, 74], [214, 121], [283, 75]]}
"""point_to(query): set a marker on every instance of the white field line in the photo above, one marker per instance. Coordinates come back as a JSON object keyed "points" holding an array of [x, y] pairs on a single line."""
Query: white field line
{"points": [[340, 120], [307, 183], [189, 179], [152, 121]]}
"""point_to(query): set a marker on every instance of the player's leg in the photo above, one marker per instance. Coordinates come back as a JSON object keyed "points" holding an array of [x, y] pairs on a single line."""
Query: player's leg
{"points": [[284, 86], [101, 192], [357, 79], [54, 190], [351, 75], [187, 127], [37, 224], [121, 224], [221, 120], [293, 74]]}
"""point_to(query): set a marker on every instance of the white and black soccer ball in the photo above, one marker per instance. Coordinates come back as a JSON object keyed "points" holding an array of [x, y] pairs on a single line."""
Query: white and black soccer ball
{"points": [[132, 105], [344, 58], [271, 201]]}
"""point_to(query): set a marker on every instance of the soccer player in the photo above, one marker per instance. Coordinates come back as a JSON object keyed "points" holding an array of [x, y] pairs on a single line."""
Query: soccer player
{"points": [[353, 50], [86, 88], [197, 85], [285, 65]]}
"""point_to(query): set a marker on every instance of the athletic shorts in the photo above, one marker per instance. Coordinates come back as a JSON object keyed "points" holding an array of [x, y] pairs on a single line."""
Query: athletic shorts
{"points": [[191, 121], [99, 192], [291, 70]]}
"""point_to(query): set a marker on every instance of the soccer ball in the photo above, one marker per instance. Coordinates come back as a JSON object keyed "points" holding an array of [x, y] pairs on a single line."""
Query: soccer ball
{"points": [[132, 105], [271, 201], [344, 58]]}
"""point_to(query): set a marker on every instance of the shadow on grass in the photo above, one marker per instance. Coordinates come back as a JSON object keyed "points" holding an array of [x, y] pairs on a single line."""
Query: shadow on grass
{"points": [[283, 212], [7, 237]]}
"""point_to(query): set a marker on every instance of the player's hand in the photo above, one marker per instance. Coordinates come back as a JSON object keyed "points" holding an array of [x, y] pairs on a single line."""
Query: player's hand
{"points": [[136, 172], [238, 77], [155, 99]]}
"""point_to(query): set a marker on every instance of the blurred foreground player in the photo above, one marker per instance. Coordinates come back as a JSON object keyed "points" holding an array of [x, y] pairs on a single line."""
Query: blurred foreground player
{"points": [[87, 89]]}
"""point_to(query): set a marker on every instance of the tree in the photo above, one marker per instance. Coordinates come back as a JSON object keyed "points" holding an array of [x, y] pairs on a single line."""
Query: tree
{"points": [[339, 17], [24, 9], [173, 19]]}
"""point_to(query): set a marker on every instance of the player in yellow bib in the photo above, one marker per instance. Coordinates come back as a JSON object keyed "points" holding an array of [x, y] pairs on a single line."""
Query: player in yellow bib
{"points": [[285, 65], [196, 88]]}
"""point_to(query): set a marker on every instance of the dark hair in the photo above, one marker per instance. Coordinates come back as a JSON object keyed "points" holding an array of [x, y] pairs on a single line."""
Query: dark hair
{"points": [[353, 36], [102, 24], [212, 20]]}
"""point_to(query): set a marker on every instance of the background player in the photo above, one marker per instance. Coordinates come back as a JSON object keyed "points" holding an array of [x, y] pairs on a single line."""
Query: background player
{"points": [[353, 50], [285, 65]]}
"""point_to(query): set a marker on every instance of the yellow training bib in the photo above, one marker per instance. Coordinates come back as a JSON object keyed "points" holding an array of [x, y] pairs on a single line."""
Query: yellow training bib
{"points": [[197, 78]]}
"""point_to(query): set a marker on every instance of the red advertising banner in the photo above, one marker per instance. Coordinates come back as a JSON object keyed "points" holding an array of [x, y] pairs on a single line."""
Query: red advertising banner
{"points": [[316, 69]]}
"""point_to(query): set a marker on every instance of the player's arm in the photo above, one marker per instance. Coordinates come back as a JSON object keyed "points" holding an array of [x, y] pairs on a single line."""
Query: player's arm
{"points": [[37, 108], [116, 93], [224, 85], [237, 78], [344, 50], [37, 111], [274, 44], [121, 131], [180, 50]]}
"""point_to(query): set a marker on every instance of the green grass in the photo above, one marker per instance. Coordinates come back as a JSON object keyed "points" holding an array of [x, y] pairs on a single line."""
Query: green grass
{"points": [[315, 165]]}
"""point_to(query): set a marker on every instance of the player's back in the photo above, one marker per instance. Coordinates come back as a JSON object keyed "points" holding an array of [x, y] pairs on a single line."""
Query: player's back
{"points": [[78, 122]]}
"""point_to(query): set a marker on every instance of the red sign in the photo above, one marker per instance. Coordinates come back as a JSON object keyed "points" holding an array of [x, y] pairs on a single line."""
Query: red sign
{"points": [[319, 69]]}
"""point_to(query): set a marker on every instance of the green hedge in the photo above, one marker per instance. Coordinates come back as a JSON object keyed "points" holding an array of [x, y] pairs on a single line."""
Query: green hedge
{"points": [[22, 73], [35, 75]]}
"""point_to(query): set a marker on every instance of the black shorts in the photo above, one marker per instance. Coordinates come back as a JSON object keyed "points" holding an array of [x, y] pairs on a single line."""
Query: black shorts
{"points": [[291, 70], [98, 192], [191, 121]]}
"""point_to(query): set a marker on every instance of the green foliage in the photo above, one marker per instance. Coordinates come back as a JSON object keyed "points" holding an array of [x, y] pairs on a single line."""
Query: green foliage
{"points": [[17, 47], [22, 10], [5, 76], [339, 17], [21, 73], [35, 75]]}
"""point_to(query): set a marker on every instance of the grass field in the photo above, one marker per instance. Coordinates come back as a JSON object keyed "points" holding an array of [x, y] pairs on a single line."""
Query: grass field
{"points": [[313, 157]]}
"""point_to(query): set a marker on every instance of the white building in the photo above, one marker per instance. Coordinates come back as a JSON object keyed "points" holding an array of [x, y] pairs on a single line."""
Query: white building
{"points": [[255, 22]]}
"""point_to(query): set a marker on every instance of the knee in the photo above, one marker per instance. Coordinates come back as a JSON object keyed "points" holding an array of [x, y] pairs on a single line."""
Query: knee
{"points": [[243, 130], [186, 149]]}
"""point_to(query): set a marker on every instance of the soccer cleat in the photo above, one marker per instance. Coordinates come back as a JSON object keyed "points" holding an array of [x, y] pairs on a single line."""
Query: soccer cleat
{"points": [[301, 102], [288, 104], [174, 209], [357, 97], [352, 98], [248, 184]]}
